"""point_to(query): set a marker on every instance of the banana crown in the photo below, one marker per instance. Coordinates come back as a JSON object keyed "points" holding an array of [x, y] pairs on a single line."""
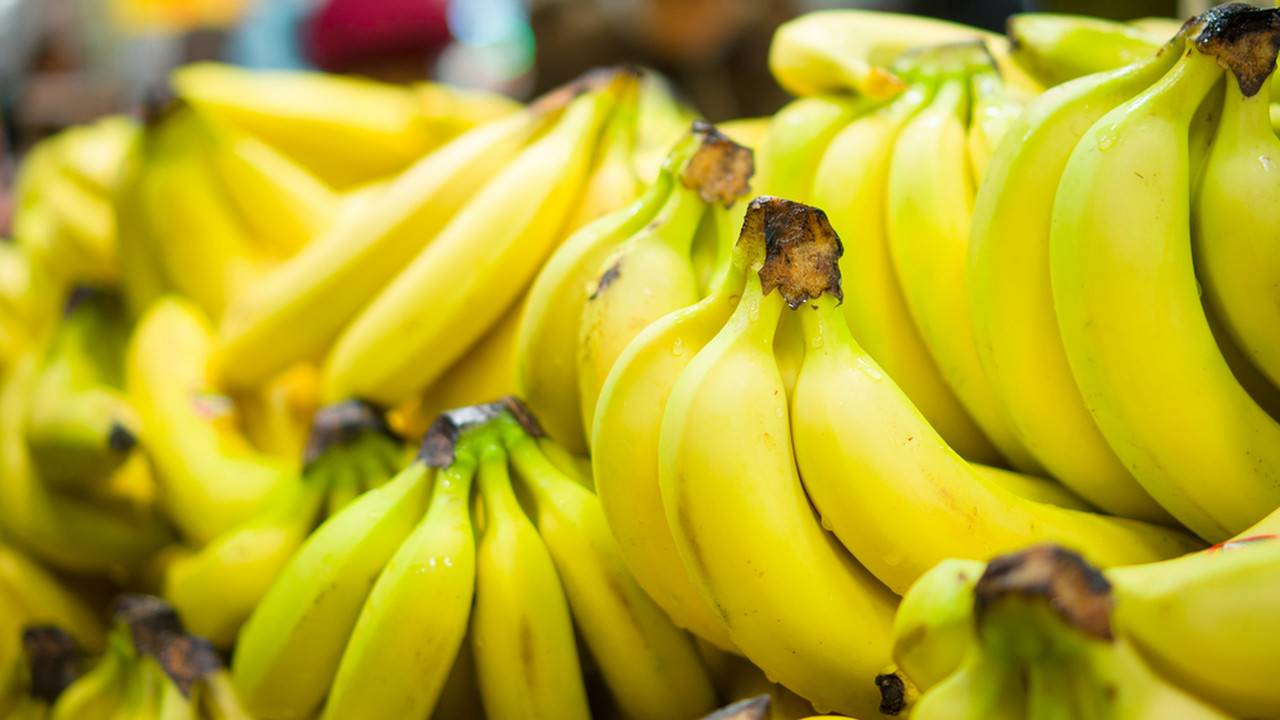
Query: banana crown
{"points": [[50, 662], [793, 249]]}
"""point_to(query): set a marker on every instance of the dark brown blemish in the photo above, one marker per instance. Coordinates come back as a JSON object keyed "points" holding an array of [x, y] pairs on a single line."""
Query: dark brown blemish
{"points": [[1076, 590], [893, 693], [606, 279], [720, 169], [158, 632], [801, 249], [342, 423], [53, 658], [1245, 39]]}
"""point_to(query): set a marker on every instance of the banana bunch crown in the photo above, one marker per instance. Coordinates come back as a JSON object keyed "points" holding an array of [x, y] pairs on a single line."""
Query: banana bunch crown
{"points": [[49, 662], [152, 668]]}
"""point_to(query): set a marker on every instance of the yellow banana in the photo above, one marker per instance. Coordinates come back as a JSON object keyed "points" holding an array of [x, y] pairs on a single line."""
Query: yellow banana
{"points": [[1011, 301], [661, 121], [392, 349], [284, 206], [624, 450], [310, 297], [992, 111], [850, 185], [836, 51], [725, 453], [199, 236], [611, 184], [210, 478], [142, 272], [289, 649], [1240, 271], [652, 668], [547, 346], [67, 531], [651, 273], [526, 655], [1128, 303], [861, 444], [1055, 48], [346, 130], [95, 153], [797, 136], [930, 197], [409, 630], [81, 427]]}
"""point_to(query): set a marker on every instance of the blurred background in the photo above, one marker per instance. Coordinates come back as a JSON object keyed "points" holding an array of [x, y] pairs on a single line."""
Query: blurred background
{"points": [[69, 61]]}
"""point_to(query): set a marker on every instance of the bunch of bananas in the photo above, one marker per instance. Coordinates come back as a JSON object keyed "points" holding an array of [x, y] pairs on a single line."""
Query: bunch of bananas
{"points": [[370, 616], [1043, 631], [150, 668]]}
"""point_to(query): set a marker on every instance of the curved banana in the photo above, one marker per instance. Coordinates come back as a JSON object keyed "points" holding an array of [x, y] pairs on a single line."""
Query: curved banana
{"points": [[346, 130], [209, 476], [652, 272], [797, 136], [836, 51], [217, 258], [1011, 301], [1129, 309], [850, 186], [284, 206], [392, 349], [289, 649], [522, 635], [933, 628], [611, 183], [725, 454], [930, 196], [1220, 602], [65, 530], [309, 298], [624, 450], [1241, 271], [81, 427], [652, 668], [860, 444], [1056, 48], [547, 350], [403, 644]]}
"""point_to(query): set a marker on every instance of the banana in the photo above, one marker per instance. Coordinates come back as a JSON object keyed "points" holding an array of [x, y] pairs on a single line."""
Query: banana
{"points": [[392, 349], [860, 444], [210, 478], [725, 453], [1055, 48], [1240, 273], [289, 649], [850, 186], [310, 297], [81, 427], [95, 153], [345, 130], [143, 277], [797, 136], [217, 258], [651, 273], [526, 655], [67, 531], [661, 120], [836, 51], [929, 199], [284, 206], [1010, 298], [624, 449], [933, 628], [992, 111], [400, 651], [652, 668], [547, 342], [1129, 308], [611, 184], [1221, 603]]}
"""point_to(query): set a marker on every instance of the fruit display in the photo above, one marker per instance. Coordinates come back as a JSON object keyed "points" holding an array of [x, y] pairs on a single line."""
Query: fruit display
{"points": [[927, 396]]}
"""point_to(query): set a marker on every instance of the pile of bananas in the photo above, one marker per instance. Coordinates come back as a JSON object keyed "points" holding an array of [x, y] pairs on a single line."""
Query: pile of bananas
{"points": [[924, 395]]}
